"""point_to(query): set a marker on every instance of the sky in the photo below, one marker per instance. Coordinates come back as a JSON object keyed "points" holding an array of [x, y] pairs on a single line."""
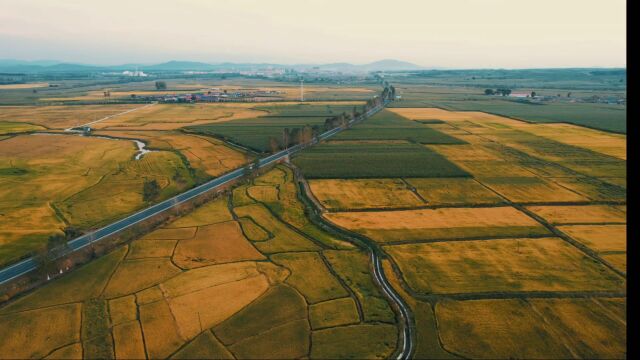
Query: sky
{"points": [[430, 33]]}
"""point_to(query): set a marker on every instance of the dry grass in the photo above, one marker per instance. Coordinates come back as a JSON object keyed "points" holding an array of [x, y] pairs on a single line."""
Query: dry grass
{"points": [[454, 191], [579, 214], [539, 328], [310, 276], [500, 265], [213, 212], [36, 333], [135, 275], [128, 341], [530, 189], [215, 244], [332, 313], [445, 223], [363, 193], [123, 309]]}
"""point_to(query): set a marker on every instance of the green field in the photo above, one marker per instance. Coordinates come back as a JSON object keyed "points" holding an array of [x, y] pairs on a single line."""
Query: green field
{"points": [[389, 126], [335, 160], [570, 94], [255, 133]]}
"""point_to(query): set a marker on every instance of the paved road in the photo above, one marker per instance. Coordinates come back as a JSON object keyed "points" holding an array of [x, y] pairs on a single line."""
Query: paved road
{"points": [[407, 330], [25, 266]]}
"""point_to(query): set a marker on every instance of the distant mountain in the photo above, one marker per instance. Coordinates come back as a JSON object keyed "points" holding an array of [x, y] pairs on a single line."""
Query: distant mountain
{"points": [[44, 66], [175, 65], [391, 65]]}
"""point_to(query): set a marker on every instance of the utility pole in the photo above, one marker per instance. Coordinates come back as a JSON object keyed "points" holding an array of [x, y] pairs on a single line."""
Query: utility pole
{"points": [[301, 90]]}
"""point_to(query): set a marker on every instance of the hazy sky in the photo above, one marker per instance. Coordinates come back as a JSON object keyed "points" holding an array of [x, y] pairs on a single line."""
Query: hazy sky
{"points": [[443, 33]]}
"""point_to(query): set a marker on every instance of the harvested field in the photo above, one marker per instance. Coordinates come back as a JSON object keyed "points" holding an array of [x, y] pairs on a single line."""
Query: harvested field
{"points": [[332, 313], [215, 244], [537, 328], [310, 276], [363, 193], [445, 223], [500, 265], [583, 214], [354, 342], [454, 191], [335, 160]]}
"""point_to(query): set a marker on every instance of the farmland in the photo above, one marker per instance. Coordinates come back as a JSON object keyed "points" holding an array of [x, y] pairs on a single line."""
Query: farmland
{"points": [[199, 286], [256, 132], [337, 160], [528, 244]]}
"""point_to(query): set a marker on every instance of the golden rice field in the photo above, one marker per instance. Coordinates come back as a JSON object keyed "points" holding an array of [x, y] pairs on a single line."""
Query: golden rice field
{"points": [[438, 224], [60, 117], [200, 287], [474, 258]]}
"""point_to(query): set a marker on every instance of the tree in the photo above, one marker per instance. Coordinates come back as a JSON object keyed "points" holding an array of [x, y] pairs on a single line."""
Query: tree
{"points": [[161, 85], [285, 137], [569, 94], [533, 94], [150, 190], [489, 92], [273, 144]]}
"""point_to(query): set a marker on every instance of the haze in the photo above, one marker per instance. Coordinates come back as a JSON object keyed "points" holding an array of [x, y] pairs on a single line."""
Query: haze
{"points": [[451, 34]]}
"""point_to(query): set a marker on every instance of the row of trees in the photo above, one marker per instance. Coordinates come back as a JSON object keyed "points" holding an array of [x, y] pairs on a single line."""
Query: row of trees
{"points": [[306, 134], [498, 91]]}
